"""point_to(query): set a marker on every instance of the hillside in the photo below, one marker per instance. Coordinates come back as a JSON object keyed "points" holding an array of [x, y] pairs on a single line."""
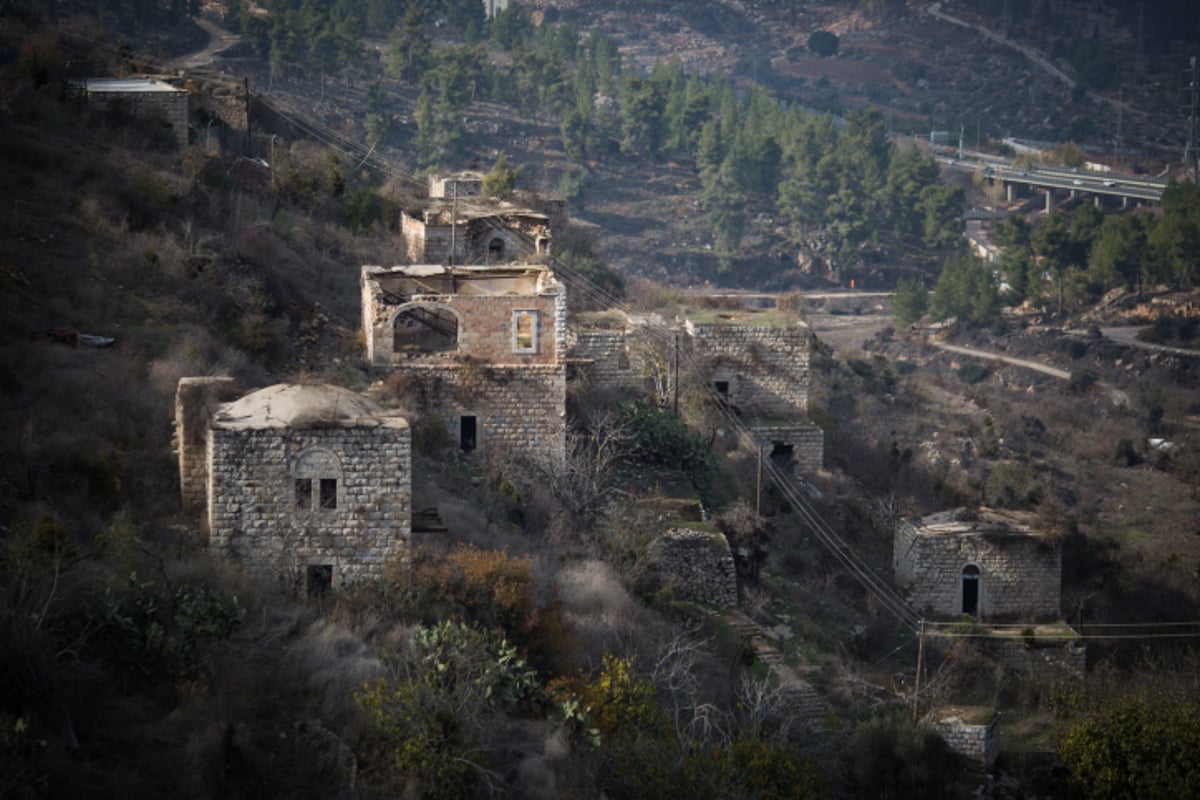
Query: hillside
{"points": [[136, 666]]}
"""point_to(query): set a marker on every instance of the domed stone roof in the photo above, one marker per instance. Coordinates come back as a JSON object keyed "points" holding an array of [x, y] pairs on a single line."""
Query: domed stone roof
{"points": [[291, 405]]}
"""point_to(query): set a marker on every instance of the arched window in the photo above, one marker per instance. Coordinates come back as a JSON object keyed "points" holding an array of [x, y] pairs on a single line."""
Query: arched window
{"points": [[425, 328], [970, 590], [496, 249]]}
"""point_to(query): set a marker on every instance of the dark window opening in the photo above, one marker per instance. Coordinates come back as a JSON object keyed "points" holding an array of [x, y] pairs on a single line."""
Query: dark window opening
{"points": [[783, 456], [970, 590], [466, 434], [319, 579], [328, 492], [496, 249], [722, 388], [303, 493]]}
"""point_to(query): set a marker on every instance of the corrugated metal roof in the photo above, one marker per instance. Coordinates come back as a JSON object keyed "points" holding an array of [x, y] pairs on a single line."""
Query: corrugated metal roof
{"points": [[127, 85]]}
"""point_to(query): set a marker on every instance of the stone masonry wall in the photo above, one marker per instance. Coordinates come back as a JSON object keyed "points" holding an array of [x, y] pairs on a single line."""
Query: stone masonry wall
{"points": [[1020, 575], [253, 513], [608, 362], [195, 399], [485, 330], [1044, 663], [427, 244], [517, 409], [807, 441], [978, 743], [698, 565], [767, 368], [167, 102]]}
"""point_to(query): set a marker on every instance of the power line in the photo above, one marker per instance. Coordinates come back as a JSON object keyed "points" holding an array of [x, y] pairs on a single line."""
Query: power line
{"points": [[842, 552]]}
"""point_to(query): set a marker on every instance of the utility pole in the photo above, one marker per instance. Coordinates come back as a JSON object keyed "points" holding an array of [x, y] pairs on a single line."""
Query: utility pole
{"points": [[675, 387], [453, 219], [961, 129], [758, 483], [920, 666], [1192, 156], [246, 85]]}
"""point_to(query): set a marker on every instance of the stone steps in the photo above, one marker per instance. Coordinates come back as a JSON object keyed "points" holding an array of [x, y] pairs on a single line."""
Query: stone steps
{"points": [[803, 698]]}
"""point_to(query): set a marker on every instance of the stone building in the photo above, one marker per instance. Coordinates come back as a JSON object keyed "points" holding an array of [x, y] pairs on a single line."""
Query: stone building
{"points": [[144, 98], [307, 486], [482, 347], [984, 563], [756, 362], [472, 230]]}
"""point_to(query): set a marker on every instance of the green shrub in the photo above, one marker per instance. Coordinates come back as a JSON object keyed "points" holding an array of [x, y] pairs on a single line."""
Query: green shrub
{"points": [[159, 634], [891, 757]]}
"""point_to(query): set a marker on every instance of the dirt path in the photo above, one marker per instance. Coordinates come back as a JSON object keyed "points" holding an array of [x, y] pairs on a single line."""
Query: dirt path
{"points": [[1016, 362], [1128, 336], [218, 41]]}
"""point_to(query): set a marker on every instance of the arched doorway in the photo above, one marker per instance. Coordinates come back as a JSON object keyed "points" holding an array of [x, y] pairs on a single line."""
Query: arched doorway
{"points": [[970, 590]]}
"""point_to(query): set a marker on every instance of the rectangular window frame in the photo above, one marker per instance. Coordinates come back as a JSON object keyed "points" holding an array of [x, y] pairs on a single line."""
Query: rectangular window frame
{"points": [[525, 326], [304, 493], [328, 498]]}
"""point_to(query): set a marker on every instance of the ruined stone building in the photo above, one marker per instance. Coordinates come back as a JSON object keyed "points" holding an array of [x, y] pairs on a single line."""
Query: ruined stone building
{"points": [[471, 229], [984, 563], [482, 348], [756, 363], [305, 486], [144, 98]]}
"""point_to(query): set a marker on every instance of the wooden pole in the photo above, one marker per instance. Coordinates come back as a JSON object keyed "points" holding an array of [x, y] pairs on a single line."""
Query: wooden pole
{"points": [[676, 387], [758, 484], [920, 666]]}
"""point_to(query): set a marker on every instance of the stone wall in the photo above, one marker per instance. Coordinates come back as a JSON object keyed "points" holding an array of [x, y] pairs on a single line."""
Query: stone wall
{"points": [[485, 319], [978, 743], [1044, 662], [144, 98], [195, 399], [1019, 574], [516, 409], [698, 566], [255, 508], [427, 243], [765, 369], [605, 360], [806, 440]]}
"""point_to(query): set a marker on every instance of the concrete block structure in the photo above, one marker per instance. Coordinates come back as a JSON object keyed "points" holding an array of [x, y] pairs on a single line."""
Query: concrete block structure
{"points": [[482, 347], [306, 486], [144, 98], [984, 563]]}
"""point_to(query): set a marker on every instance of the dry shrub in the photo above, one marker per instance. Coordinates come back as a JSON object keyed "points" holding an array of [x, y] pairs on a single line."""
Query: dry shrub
{"points": [[602, 613], [332, 661]]}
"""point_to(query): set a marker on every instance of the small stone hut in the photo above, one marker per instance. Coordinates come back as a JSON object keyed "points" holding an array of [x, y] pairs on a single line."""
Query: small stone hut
{"points": [[144, 98], [985, 563], [309, 486]]}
